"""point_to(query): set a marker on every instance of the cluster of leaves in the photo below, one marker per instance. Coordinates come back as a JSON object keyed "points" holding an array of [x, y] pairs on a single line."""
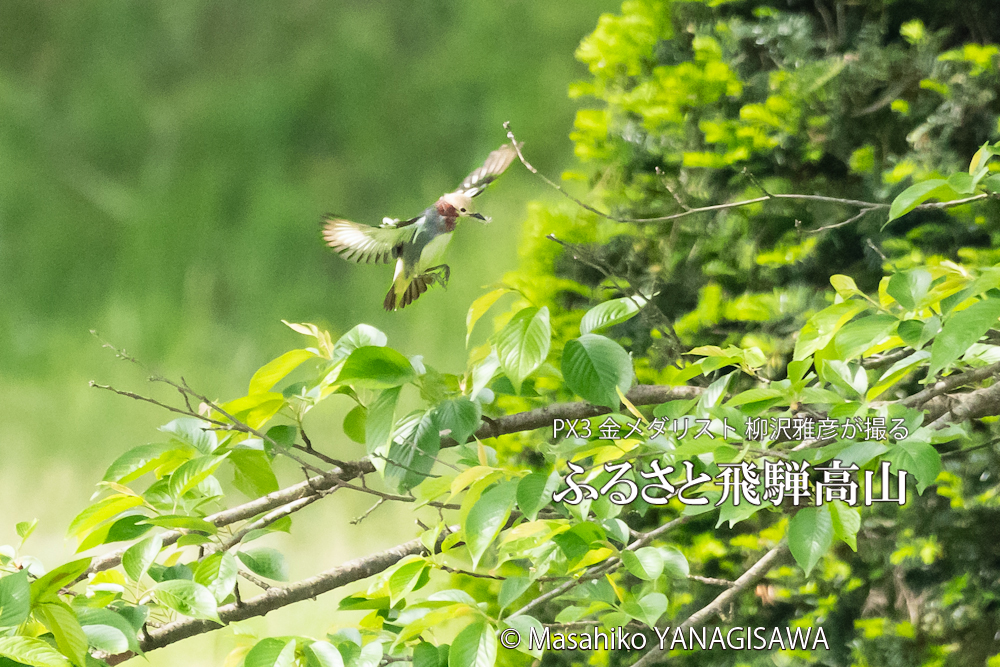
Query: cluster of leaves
{"points": [[703, 103], [487, 515]]}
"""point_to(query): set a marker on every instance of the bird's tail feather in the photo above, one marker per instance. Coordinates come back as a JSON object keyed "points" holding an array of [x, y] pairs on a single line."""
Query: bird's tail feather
{"points": [[417, 286]]}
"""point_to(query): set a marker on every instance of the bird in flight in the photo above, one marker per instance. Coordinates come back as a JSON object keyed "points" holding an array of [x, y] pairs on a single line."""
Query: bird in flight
{"points": [[417, 244]]}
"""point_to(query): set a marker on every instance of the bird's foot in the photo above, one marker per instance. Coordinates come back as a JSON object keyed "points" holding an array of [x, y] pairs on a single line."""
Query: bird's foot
{"points": [[442, 274]]}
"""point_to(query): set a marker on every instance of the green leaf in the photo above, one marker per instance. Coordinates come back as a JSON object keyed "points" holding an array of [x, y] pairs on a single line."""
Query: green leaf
{"points": [[523, 344], [25, 529], [105, 618], [475, 646], [810, 535], [645, 563], [821, 327], [31, 651], [917, 458], [410, 461], [47, 586], [897, 372], [106, 638], [15, 599], [323, 654], [274, 371], [380, 420], [846, 522], [610, 313], [376, 368], [961, 183], [861, 334], [487, 517], [511, 589], [363, 335], [62, 622], [355, 424], [101, 511], [913, 196], [909, 288], [266, 562], [483, 373], [138, 557], [595, 368], [674, 563], [405, 578], [479, 308], [283, 435], [187, 598], [218, 574], [182, 522], [460, 416], [136, 462], [252, 473], [844, 285], [534, 492], [960, 331], [271, 652], [426, 654], [192, 473], [647, 609], [193, 432], [524, 624], [992, 183]]}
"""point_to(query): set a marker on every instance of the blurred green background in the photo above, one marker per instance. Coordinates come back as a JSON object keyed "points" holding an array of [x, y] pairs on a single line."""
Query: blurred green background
{"points": [[163, 170]]}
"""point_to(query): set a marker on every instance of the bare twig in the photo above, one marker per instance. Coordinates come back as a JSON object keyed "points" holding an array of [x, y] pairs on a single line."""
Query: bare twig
{"points": [[867, 206]]}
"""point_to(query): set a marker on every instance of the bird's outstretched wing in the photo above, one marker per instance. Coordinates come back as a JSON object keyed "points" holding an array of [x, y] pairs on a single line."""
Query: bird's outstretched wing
{"points": [[364, 244], [496, 163]]}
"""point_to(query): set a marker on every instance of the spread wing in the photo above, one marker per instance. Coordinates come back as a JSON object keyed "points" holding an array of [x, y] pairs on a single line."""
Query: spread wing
{"points": [[367, 245], [496, 163]]}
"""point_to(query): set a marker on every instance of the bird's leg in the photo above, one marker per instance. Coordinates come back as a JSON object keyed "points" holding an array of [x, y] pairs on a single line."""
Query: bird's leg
{"points": [[442, 274]]}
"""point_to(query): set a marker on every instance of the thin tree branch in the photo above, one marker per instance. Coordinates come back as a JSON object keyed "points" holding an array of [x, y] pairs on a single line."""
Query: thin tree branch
{"points": [[951, 382], [278, 597], [606, 567], [643, 394], [700, 617], [866, 205]]}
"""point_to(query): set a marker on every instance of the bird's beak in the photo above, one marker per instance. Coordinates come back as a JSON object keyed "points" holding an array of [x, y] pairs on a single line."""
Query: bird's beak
{"points": [[479, 216]]}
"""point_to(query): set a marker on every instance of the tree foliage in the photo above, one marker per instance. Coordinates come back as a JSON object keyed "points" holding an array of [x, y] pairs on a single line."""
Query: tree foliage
{"points": [[737, 133]]}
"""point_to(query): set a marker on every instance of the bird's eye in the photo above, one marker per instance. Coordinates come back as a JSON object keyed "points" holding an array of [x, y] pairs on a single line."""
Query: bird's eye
{"points": [[462, 210]]}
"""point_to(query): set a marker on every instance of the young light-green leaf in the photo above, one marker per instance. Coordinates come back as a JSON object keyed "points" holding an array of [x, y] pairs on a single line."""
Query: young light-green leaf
{"points": [[376, 368], [610, 313], [475, 646], [960, 331], [645, 563], [138, 557], [31, 651], [187, 598], [479, 308], [913, 196], [274, 371], [523, 344], [487, 517]]}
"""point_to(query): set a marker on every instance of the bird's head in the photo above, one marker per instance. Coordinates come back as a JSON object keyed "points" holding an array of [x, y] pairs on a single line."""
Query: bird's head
{"points": [[460, 203]]}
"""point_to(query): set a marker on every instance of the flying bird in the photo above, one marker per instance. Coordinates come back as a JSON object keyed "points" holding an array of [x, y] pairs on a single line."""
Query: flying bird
{"points": [[417, 244]]}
